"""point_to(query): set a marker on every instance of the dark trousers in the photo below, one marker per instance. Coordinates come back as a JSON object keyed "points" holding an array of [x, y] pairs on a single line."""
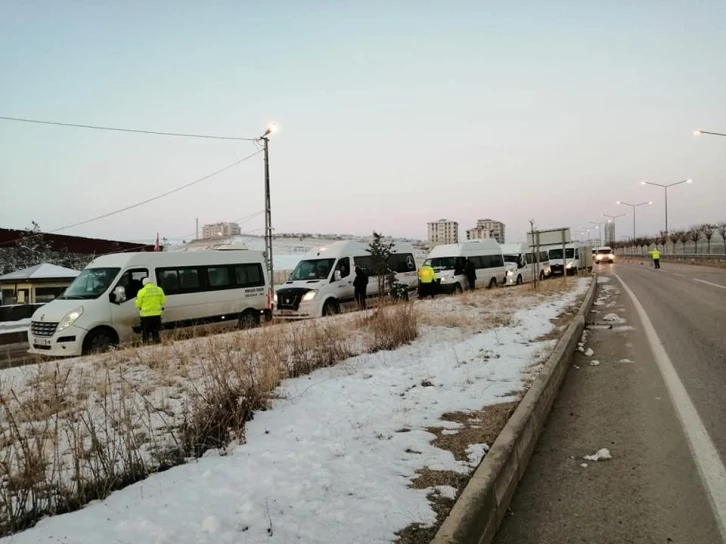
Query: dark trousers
{"points": [[360, 298], [150, 327], [426, 289], [472, 282], [656, 263]]}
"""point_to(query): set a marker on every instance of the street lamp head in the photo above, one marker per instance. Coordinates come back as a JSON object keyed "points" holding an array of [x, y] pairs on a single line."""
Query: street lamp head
{"points": [[689, 180], [649, 203], [697, 132], [618, 202], [643, 183], [271, 129]]}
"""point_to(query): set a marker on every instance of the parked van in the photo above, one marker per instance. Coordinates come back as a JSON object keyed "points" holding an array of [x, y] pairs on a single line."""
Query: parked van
{"points": [[323, 280], [98, 310], [577, 257], [521, 264], [448, 261]]}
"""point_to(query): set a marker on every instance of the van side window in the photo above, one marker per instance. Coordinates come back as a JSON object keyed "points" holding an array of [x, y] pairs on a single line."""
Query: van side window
{"points": [[175, 281], [343, 266], [402, 262], [131, 281], [218, 277], [366, 263], [249, 275]]}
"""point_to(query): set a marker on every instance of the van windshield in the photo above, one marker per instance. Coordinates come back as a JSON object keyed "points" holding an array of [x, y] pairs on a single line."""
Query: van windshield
{"points": [[90, 284], [607, 251], [557, 253], [312, 269], [511, 259], [443, 263]]}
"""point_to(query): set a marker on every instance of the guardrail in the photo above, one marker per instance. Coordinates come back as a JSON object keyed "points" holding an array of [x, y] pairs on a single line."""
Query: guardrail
{"points": [[717, 260]]}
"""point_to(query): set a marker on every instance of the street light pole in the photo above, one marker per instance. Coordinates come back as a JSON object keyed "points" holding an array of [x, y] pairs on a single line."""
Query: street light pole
{"points": [[268, 214], [599, 231], [665, 188], [612, 218], [633, 206]]}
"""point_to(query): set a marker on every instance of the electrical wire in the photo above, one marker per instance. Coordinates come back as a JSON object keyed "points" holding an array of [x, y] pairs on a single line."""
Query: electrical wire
{"points": [[116, 129], [136, 205]]}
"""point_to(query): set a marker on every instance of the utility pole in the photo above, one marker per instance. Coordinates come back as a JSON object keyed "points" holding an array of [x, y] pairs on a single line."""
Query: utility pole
{"points": [[268, 215], [197, 234]]}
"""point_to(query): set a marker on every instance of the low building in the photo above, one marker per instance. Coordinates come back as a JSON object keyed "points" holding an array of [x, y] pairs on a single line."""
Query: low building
{"points": [[487, 228], [35, 285], [443, 231], [220, 230]]}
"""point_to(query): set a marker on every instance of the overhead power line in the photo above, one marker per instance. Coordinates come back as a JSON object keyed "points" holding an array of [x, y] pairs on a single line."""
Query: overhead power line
{"points": [[116, 129], [136, 205]]}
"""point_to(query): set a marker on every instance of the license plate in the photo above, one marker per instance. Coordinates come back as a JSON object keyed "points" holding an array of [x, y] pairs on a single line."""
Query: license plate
{"points": [[42, 342], [285, 312]]}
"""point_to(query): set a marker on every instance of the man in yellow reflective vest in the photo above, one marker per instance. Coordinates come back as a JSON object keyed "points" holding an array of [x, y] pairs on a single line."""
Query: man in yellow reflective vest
{"points": [[150, 301], [655, 254], [426, 282]]}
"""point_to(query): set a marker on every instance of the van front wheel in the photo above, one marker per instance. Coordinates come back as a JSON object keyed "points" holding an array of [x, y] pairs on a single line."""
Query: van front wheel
{"points": [[457, 289], [520, 281], [330, 308], [99, 340], [492, 283]]}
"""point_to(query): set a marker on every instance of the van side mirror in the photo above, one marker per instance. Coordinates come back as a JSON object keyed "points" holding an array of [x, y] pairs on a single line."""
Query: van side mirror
{"points": [[119, 295], [337, 276]]}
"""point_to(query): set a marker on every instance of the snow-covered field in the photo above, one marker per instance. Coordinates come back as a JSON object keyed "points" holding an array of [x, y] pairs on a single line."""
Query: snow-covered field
{"points": [[334, 456]]}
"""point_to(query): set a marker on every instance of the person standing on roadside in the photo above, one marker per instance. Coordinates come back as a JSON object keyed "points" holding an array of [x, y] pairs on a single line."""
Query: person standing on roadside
{"points": [[150, 301], [655, 254], [426, 279], [360, 286], [471, 274]]}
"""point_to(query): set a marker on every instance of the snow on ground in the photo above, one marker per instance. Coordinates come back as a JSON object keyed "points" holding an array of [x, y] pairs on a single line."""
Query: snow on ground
{"points": [[331, 460], [14, 326]]}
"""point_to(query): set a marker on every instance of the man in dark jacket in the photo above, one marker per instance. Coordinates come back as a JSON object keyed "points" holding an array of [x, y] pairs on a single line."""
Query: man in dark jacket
{"points": [[360, 286], [471, 274]]}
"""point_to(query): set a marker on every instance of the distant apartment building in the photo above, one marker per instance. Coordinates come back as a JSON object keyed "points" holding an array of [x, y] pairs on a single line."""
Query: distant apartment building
{"points": [[487, 228], [218, 230], [443, 231]]}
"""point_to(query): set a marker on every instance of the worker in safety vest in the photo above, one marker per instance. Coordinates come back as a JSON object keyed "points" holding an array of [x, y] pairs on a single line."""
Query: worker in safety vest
{"points": [[426, 282], [655, 254], [150, 301]]}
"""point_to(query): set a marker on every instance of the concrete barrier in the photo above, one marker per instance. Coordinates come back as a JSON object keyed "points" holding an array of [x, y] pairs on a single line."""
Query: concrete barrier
{"points": [[476, 516]]}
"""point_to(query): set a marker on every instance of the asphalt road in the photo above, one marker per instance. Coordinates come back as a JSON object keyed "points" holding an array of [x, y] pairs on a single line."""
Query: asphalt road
{"points": [[653, 488]]}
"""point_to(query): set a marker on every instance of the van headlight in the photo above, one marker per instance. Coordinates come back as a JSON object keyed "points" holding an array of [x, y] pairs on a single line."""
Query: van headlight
{"points": [[569, 265], [510, 273], [70, 318], [274, 298], [310, 295]]}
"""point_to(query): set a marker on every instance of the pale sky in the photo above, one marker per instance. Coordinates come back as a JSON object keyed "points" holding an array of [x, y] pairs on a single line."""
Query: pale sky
{"points": [[391, 113]]}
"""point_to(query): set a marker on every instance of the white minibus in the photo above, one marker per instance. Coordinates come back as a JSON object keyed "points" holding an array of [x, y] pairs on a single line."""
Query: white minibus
{"points": [[98, 310], [323, 280], [578, 257], [448, 261], [522, 265]]}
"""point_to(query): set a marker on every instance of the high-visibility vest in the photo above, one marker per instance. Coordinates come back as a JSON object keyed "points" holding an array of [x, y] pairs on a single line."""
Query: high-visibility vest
{"points": [[426, 274], [150, 300]]}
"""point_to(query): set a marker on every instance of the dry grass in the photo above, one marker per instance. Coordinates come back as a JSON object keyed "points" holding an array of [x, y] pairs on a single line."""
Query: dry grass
{"points": [[480, 427], [72, 432]]}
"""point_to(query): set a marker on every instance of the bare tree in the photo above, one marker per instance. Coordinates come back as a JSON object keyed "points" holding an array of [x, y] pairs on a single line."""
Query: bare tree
{"points": [[708, 231], [683, 237], [675, 237], [721, 228], [694, 235]]}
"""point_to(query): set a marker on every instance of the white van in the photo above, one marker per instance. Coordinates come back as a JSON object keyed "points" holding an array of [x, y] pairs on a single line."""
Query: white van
{"points": [[448, 261], [98, 310], [323, 279], [577, 257], [522, 265]]}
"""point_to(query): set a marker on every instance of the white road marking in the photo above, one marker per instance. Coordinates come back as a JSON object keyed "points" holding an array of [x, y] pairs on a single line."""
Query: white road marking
{"points": [[709, 283], [710, 466], [679, 275]]}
